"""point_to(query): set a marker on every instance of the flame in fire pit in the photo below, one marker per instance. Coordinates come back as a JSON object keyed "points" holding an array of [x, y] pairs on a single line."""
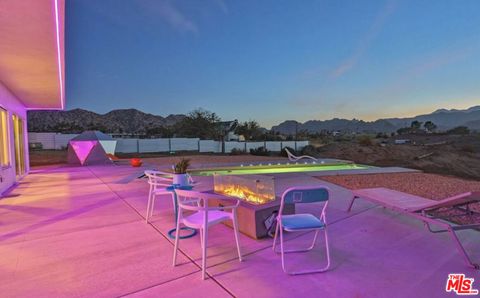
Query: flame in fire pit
{"points": [[244, 193]]}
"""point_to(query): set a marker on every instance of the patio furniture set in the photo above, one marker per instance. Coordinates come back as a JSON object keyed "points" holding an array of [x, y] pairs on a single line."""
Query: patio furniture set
{"points": [[193, 213]]}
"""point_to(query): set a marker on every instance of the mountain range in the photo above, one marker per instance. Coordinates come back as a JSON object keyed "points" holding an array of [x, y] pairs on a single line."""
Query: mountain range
{"points": [[443, 118], [132, 121]]}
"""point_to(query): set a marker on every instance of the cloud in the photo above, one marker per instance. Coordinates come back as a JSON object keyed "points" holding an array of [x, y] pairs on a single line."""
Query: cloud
{"points": [[424, 65], [367, 40], [170, 14], [222, 5]]}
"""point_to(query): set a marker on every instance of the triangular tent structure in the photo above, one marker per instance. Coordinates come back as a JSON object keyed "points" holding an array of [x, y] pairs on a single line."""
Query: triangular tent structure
{"points": [[91, 147]]}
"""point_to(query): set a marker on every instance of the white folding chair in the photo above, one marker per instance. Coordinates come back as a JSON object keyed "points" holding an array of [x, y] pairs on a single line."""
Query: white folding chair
{"points": [[160, 184], [203, 217], [302, 222]]}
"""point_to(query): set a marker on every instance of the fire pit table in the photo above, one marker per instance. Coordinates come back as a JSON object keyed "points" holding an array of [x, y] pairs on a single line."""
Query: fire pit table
{"points": [[257, 201]]}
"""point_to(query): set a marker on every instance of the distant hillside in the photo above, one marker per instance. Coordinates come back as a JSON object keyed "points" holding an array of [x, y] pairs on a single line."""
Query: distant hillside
{"points": [[444, 119], [117, 121], [313, 126], [133, 121]]}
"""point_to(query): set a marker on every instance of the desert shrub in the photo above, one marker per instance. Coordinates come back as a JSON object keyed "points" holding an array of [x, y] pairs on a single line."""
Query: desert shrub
{"points": [[237, 151], [381, 135], [459, 130], [284, 153], [365, 141], [309, 150], [261, 151], [35, 146], [468, 148]]}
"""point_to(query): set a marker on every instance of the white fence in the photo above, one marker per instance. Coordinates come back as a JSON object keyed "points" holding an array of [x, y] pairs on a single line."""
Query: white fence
{"points": [[50, 141], [60, 141]]}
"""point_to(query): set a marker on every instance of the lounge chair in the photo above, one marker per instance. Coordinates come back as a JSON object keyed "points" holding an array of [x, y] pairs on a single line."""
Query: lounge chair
{"points": [[422, 208], [292, 157]]}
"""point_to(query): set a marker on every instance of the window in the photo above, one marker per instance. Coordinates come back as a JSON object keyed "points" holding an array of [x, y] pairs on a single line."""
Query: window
{"points": [[18, 136], [4, 152]]}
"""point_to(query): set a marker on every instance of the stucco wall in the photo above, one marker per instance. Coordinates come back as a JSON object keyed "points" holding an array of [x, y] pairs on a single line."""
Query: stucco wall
{"points": [[12, 105]]}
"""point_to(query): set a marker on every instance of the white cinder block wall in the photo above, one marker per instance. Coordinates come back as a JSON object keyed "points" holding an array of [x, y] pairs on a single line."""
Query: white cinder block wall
{"points": [[56, 141]]}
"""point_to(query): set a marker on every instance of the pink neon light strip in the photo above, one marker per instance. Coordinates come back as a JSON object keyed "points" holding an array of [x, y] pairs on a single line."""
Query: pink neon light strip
{"points": [[60, 76]]}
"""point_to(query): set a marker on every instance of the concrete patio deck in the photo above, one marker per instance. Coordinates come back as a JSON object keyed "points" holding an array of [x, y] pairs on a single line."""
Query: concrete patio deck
{"points": [[80, 231]]}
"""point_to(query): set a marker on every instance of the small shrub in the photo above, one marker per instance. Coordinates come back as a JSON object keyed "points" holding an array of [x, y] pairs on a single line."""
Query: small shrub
{"points": [[261, 151], [381, 135], [35, 146], [459, 130], [309, 150], [468, 148], [365, 141], [181, 166], [237, 151], [284, 153]]}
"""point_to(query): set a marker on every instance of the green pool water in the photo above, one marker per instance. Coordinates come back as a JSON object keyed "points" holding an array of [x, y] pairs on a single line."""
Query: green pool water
{"points": [[276, 169]]}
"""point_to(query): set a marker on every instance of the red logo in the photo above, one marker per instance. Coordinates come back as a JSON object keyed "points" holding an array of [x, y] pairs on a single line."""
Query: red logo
{"points": [[460, 284]]}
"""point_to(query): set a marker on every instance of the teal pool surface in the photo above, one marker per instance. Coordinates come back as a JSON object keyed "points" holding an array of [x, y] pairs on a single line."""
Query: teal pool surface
{"points": [[276, 169]]}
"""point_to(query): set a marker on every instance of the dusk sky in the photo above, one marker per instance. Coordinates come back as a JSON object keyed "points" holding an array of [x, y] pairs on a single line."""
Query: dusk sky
{"points": [[273, 60]]}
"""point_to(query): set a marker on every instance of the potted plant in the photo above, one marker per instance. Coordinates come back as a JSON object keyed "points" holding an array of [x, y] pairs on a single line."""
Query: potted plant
{"points": [[180, 176]]}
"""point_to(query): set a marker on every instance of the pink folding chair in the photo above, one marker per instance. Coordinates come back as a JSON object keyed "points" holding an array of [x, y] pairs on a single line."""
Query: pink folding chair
{"points": [[203, 217], [304, 222]]}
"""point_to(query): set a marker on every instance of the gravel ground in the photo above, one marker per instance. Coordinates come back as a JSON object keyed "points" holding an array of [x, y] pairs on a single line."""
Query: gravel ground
{"points": [[432, 186]]}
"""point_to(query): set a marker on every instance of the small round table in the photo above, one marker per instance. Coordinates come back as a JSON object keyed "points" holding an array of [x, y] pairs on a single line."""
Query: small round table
{"points": [[172, 232]]}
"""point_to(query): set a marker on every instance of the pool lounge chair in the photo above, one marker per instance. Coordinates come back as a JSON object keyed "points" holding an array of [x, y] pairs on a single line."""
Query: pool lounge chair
{"points": [[422, 208], [292, 157]]}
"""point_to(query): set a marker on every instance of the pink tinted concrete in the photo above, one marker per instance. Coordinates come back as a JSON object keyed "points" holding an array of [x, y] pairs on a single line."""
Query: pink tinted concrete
{"points": [[108, 250], [67, 234], [188, 286], [374, 254]]}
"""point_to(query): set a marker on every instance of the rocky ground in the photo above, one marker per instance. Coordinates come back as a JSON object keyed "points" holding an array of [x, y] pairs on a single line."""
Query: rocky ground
{"points": [[431, 186], [457, 156]]}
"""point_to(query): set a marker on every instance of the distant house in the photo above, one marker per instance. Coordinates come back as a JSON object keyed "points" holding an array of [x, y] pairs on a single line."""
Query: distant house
{"points": [[32, 34], [231, 136], [228, 130]]}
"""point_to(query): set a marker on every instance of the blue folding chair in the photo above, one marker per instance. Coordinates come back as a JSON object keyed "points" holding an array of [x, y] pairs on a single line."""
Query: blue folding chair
{"points": [[302, 222]]}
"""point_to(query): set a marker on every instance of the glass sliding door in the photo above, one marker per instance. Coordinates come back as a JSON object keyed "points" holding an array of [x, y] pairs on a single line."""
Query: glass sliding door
{"points": [[4, 147], [18, 133]]}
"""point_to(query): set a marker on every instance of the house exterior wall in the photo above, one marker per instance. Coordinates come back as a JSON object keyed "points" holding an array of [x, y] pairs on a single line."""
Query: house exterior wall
{"points": [[12, 106]]}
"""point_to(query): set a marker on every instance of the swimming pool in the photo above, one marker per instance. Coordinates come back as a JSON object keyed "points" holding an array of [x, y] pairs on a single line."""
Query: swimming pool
{"points": [[277, 168]]}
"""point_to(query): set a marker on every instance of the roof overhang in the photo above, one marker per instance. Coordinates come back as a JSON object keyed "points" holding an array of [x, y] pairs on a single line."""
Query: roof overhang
{"points": [[32, 59]]}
